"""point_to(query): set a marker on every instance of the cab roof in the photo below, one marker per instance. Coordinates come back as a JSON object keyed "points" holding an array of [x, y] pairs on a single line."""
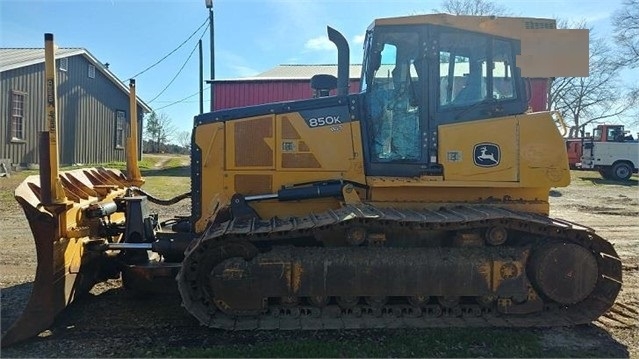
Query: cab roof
{"points": [[545, 50]]}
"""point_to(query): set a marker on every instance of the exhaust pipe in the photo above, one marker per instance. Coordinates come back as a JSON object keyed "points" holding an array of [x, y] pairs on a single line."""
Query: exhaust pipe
{"points": [[343, 55]]}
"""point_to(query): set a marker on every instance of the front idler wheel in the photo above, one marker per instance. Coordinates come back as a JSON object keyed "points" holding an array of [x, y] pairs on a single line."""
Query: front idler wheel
{"points": [[564, 272]]}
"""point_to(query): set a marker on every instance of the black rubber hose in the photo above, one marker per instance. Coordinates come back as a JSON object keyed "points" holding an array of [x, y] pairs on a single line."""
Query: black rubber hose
{"points": [[162, 202]]}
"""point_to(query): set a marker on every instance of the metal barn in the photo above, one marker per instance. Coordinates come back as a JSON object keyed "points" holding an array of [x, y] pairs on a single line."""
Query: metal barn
{"points": [[93, 107]]}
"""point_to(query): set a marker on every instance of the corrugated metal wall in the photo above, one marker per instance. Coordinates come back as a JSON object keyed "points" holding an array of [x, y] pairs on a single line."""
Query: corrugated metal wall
{"points": [[30, 80], [86, 109], [229, 94]]}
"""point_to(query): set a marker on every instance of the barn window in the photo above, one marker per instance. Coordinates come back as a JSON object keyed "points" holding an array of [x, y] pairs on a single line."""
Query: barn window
{"points": [[17, 115], [63, 64], [120, 120], [92, 71]]}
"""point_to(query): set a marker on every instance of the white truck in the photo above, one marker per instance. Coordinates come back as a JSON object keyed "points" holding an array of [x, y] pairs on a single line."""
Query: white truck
{"points": [[611, 152]]}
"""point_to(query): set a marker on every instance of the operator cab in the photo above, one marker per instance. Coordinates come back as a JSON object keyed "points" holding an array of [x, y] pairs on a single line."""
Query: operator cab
{"points": [[416, 77]]}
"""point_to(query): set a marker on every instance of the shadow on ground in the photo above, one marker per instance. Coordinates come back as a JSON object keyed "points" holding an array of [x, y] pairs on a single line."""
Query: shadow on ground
{"points": [[555, 193], [601, 181], [14, 299]]}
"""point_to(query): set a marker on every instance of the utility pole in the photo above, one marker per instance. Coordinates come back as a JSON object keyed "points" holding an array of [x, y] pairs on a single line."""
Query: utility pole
{"points": [[199, 44], [209, 5]]}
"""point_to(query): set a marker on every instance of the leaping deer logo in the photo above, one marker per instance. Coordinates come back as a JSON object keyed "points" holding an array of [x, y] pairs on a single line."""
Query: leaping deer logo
{"points": [[486, 154]]}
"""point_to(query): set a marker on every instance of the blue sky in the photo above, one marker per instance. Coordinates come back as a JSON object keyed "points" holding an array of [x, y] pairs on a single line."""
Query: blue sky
{"points": [[251, 36]]}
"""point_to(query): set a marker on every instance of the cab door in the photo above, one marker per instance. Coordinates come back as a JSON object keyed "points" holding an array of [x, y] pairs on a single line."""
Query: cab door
{"points": [[394, 87]]}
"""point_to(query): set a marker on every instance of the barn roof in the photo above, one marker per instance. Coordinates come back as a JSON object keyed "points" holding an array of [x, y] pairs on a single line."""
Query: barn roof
{"points": [[297, 72], [13, 58], [301, 71]]}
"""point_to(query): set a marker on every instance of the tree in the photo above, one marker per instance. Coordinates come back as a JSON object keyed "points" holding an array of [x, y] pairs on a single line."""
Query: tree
{"points": [[184, 140], [157, 131], [626, 31], [472, 7], [585, 100]]}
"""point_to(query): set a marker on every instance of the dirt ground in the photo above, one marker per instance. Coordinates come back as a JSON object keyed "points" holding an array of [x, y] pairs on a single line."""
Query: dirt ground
{"points": [[111, 319]]}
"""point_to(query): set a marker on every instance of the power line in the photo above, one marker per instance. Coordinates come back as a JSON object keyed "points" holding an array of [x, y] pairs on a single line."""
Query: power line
{"points": [[181, 68], [206, 21], [182, 100]]}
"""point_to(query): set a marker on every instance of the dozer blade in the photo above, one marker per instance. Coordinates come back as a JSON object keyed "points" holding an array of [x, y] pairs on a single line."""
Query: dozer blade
{"points": [[65, 270]]}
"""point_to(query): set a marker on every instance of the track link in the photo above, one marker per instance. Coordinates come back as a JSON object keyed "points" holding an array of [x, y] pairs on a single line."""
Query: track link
{"points": [[228, 240]]}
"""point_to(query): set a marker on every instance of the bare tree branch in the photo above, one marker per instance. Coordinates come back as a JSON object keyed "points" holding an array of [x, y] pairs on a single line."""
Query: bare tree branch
{"points": [[471, 7], [183, 139], [600, 96], [158, 131], [626, 29]]}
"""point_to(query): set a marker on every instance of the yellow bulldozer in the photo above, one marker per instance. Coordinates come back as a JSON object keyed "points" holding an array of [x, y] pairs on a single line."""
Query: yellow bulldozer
{"points": [[419, 201]]}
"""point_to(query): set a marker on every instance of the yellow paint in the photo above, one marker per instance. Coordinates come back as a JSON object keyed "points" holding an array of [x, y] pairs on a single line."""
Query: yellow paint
{"points": [[55, 189], [207, 155], [339, 154], [209, 140], [533, 160], [497, 276], [543, 152], [67, 228], [462, 138], [296, 276], [491, 271], [230, 132], [291, 274], [132, 167], [486, 270]]}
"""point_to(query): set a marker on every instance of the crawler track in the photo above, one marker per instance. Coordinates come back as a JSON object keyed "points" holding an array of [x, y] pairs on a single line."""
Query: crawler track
{"points": [[247, 240]]}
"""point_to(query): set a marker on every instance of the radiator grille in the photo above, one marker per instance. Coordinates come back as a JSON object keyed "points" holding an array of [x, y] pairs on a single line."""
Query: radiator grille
{"points": [[251, 149]]}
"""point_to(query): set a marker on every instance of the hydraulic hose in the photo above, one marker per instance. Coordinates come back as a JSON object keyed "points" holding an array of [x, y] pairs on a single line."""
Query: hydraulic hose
{"points": [[162, 202]]}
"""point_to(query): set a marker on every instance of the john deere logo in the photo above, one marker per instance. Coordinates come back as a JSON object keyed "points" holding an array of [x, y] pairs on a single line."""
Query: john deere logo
{"points": [[486, 155]]}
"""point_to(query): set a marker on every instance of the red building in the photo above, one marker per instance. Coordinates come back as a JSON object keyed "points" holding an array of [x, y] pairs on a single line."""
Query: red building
{"points": [[292, 82], [282, 83]]}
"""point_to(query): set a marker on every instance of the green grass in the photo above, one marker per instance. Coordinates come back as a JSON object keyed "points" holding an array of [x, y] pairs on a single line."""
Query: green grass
{"points": [[149, 162], [162, 179], [408, 343], [165, 185], [378, 343], [165, 176]]}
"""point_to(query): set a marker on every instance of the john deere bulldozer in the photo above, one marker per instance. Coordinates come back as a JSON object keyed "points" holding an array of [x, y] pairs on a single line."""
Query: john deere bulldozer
{"points": [[419, 201]]}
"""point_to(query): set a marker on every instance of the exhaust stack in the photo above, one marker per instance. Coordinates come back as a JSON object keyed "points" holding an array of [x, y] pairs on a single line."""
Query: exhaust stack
{"points": [[343, 55]]}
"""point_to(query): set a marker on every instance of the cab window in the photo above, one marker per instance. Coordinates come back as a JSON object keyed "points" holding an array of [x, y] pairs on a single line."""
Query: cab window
{"points": [[393, 94]]}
